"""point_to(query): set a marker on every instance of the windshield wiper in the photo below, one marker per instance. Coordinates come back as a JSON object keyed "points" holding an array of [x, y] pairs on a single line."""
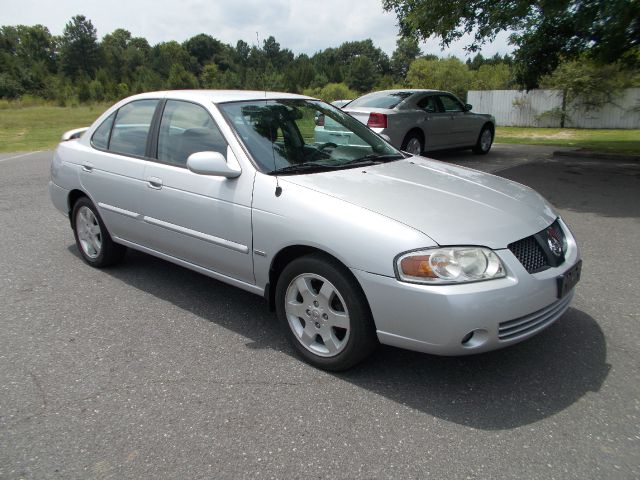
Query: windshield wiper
{"points": [[309, 167], [303, 167], [373, 159]]}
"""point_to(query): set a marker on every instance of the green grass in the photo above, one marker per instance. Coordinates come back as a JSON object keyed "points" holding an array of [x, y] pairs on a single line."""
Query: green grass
{"points": [[611, 141], [39, 128]]}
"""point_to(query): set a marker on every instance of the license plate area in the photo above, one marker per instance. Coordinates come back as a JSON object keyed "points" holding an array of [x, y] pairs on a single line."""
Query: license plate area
{"points": [[569, 279]]}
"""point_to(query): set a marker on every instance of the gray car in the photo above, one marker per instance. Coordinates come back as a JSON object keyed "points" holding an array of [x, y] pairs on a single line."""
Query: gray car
{"points": [[352, 244], [417, 121]]}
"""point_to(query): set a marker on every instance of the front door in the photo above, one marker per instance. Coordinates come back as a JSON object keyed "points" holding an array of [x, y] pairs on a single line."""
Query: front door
{"points": [[204, 220]]}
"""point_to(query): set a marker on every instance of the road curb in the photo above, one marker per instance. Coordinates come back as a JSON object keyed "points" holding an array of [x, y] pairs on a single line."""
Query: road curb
{"points": [[596, 155]]}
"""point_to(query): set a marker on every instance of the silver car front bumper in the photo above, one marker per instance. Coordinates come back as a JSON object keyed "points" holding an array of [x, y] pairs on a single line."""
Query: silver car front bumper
{"points": [[439, 319]]}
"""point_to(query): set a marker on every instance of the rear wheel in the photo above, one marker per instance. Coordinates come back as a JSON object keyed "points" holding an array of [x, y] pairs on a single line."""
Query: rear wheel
{"points": [[485, 140], [325, 313], [92, 238], [412, 144]]}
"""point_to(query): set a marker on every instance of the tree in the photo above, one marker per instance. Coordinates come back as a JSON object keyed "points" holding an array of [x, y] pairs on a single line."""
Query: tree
{"points": [[545, 31], [210, 77], [203, 47], [165, 54], [588, 85], [79, 50], [362, 74], [407, 50], [448, 74], [492, 77], [113, 47], [179, 78]]}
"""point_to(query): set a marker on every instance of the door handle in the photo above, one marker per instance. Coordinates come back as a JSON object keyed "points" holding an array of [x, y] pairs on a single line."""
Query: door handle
{"points": [[87, 167], [154, 182]]}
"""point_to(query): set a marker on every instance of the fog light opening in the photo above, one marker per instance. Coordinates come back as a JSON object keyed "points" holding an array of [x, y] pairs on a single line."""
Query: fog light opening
{"points": [[475, 338]]}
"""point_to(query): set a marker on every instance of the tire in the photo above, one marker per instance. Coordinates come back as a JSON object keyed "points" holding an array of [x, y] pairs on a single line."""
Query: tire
{"points": [[413, 144], [92, 238], [325, 313], [485, 140]]}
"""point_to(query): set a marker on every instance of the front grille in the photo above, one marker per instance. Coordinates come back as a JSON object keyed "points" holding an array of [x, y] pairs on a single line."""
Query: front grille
{"points": [[530, 254], [519, 327]]}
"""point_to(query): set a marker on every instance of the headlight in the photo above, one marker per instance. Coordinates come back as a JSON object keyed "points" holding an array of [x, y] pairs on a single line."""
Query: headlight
{"points": [[449, 265]]}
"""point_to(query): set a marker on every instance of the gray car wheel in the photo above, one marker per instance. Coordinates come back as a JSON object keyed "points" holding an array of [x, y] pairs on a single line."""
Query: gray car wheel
{"points": [[325, 313], [485, 140], [412, 144], [92, 238]]}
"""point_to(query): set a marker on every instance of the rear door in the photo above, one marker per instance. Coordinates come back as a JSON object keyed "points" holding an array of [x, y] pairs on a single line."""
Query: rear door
{"points": [[204, 220], [113, 173]]}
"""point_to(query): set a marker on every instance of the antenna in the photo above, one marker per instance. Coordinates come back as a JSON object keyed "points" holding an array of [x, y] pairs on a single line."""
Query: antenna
{"points": [[272, 134]]}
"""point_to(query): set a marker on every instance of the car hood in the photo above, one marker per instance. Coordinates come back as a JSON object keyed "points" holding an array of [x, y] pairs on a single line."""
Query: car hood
{"points": [[450, 204]]}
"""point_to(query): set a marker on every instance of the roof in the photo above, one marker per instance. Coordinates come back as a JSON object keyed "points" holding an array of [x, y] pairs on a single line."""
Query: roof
{"points": [[218, 96], [409, 90]]}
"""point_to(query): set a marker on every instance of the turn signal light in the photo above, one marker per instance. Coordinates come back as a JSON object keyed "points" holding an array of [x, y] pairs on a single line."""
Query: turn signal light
{"points": [[417, 266]]}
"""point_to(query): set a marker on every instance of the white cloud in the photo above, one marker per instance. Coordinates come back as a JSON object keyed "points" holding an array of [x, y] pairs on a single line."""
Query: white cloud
{"points": [[304, 26]]}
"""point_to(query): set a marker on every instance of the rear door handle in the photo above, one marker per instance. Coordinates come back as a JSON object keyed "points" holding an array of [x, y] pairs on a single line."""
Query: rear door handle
{"points": [[87, 167], [154, 182]]}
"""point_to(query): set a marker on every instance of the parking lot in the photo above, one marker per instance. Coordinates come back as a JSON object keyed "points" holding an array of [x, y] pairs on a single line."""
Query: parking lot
{"points": [[148, 370]]}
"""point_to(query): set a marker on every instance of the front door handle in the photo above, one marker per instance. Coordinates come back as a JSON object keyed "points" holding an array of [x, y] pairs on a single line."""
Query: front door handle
{"points": [[154, 182], [87, 167]]}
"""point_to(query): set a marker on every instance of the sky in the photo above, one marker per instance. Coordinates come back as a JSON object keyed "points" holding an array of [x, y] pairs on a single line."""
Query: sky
{"points": [[303, 26]]}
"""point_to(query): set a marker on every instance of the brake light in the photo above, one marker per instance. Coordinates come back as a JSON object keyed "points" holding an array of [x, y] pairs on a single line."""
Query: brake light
{"points": [[377, 120]]}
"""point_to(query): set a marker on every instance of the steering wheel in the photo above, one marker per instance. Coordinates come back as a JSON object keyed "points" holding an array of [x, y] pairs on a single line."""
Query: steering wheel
{"points": [[320, 148], [327, 144]]}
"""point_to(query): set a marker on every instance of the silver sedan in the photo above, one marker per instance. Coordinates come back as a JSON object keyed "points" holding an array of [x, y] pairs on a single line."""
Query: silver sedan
{"points": [[352, 244], [417, 121]]}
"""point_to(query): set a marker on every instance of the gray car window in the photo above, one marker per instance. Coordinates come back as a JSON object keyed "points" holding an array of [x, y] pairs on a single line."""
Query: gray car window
{"points": [[131, 127], [380, 100], [429, 104], [450, 104], [187, 128]]}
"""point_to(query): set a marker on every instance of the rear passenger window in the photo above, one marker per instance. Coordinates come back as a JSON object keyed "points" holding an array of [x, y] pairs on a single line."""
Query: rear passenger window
{"points": [[100, 138], [187, 128], [131, 128]]}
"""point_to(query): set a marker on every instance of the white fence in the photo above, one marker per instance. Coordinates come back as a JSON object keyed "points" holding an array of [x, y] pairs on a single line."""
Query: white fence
{"points": [[516, 108]]}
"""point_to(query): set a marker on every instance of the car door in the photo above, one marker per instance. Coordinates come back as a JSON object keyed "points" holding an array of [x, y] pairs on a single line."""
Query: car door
{"points": [[463, 132], [112, 173], [204, 220], [437, 124]]}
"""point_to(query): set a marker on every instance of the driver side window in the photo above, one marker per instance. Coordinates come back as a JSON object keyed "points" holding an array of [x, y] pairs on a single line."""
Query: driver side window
{"points": [[450, 104], [187, 128]]}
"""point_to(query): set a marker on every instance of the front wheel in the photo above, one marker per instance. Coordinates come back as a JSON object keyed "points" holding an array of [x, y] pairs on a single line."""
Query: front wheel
{"points": [[92, 238], [485, 140], [325, 313]]}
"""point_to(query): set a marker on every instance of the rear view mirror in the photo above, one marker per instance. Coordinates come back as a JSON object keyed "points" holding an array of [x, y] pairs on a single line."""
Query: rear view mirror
{"points": [[211, 163], [468, 107]]}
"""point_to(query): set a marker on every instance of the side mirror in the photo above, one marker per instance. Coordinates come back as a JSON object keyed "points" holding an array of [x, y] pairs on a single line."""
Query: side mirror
{"points": [[468, 107], [73, 134], [211, 163]]}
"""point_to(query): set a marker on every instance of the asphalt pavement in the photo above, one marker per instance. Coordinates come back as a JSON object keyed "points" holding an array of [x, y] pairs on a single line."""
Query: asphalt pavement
{"points": [[148, 370]]}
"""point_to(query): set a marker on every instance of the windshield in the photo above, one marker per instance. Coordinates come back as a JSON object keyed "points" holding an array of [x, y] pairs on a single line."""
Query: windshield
{"points": [[289, 136], [380, 100]]}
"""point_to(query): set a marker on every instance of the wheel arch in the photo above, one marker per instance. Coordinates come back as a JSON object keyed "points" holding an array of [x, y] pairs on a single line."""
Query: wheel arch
{"points": [[416, 131], [288, 254], [73, 197]]}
